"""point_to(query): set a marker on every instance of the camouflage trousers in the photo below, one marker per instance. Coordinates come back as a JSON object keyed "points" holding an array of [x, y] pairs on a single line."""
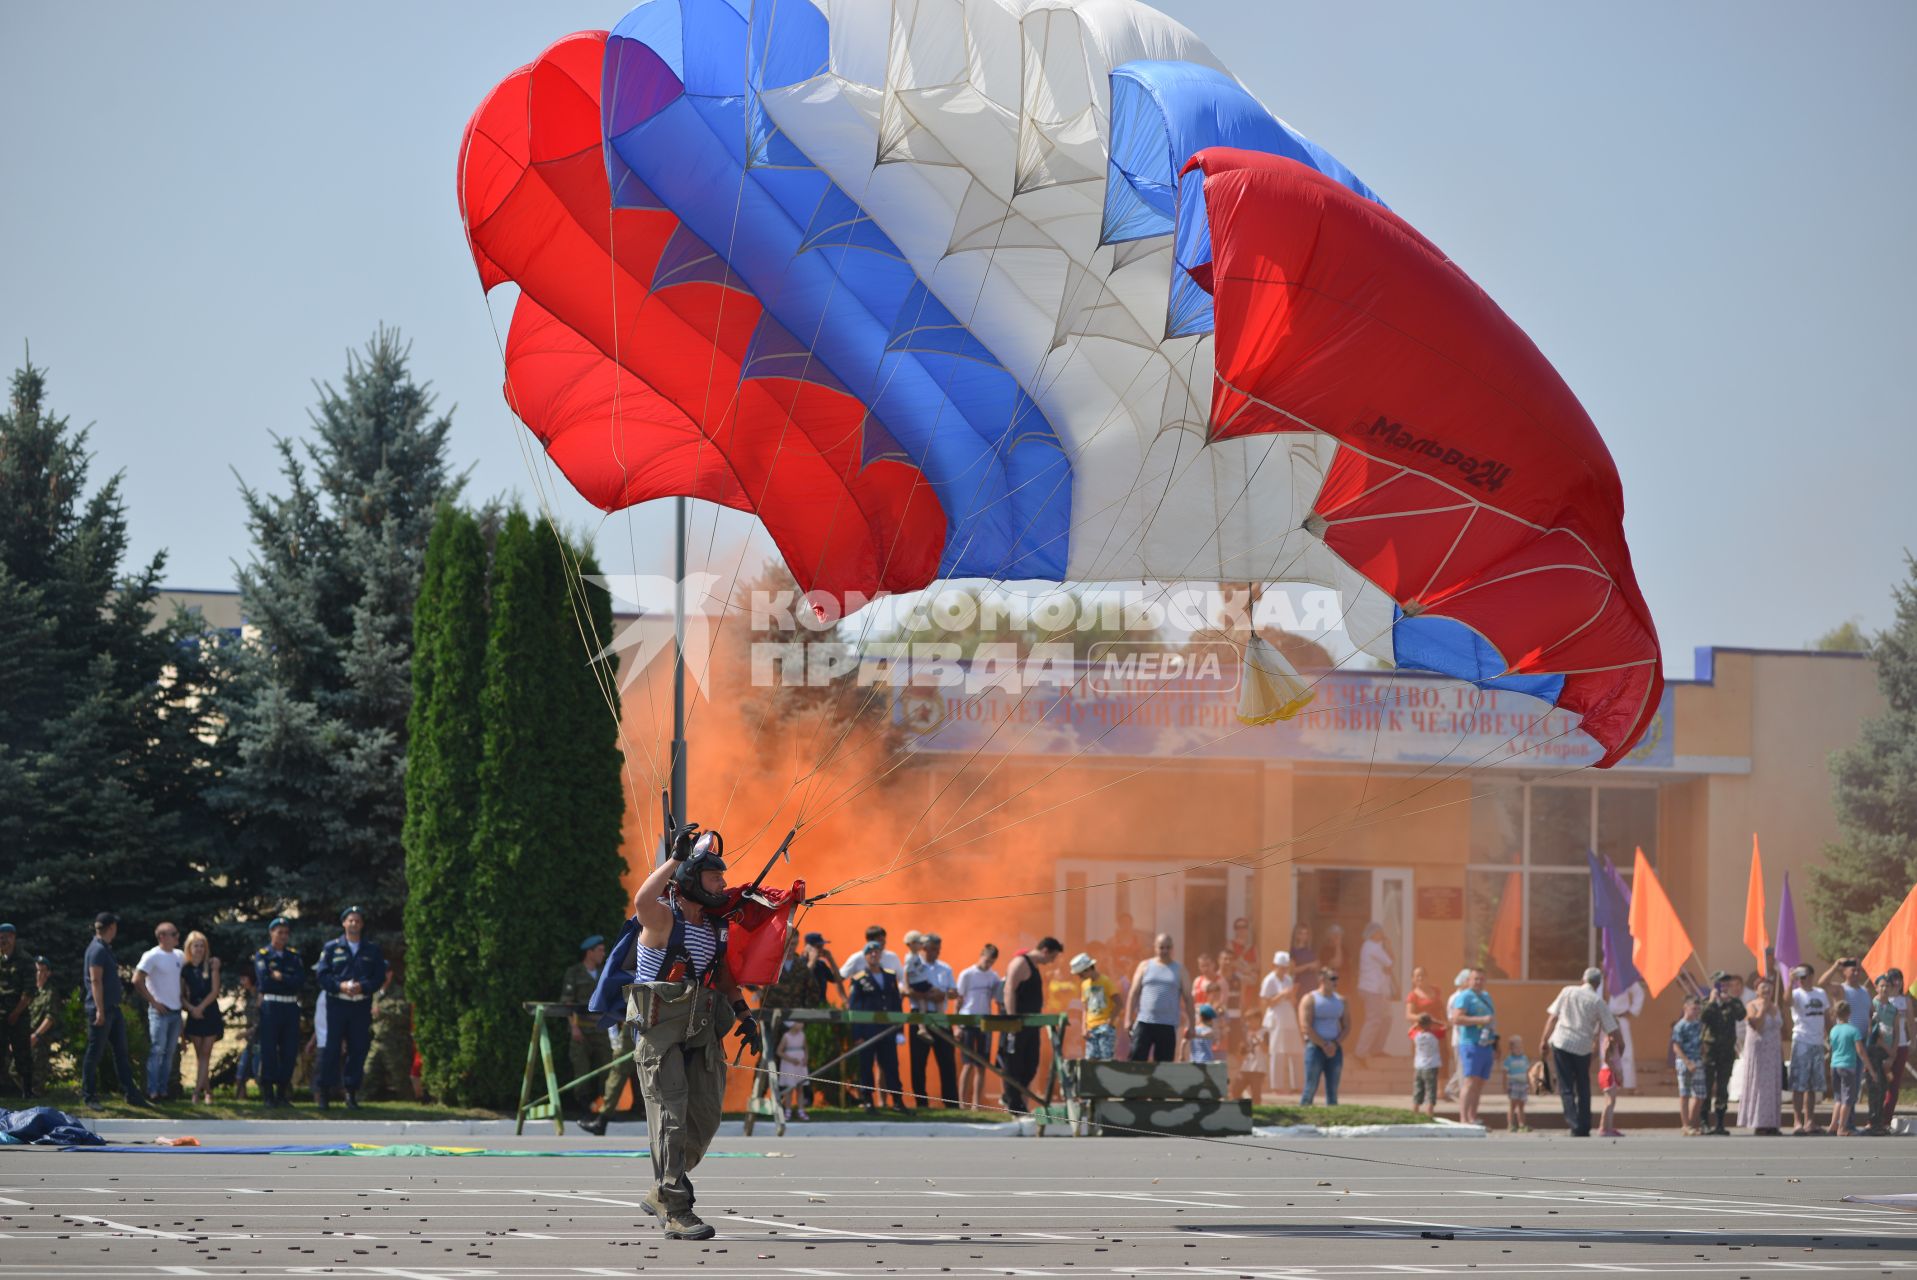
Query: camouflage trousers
{"points": [[389, 1069], [679, 1060]]}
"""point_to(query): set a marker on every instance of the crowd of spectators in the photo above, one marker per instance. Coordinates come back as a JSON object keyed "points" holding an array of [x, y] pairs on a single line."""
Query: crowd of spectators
{"points": [[1843, 1038], [185, 1000]]}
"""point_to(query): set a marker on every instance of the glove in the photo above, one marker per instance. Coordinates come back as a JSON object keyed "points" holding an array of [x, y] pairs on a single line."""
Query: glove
{"points": [[682, 841], [748, 1027]]}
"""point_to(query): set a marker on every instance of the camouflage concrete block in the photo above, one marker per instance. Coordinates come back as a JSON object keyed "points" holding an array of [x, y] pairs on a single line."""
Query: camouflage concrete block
{"points": [[1182, 1081], [1138, 1117]]}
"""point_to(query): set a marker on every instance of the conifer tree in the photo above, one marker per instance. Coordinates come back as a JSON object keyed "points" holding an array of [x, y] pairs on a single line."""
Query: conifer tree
{"points": [[585, 864], [315, 711], [100, 711], [445, 739], [511, 898], [1871, 868]]}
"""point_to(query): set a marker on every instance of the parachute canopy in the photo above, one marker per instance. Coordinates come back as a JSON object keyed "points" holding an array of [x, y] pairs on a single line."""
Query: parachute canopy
{"points": [[1034, 289]]}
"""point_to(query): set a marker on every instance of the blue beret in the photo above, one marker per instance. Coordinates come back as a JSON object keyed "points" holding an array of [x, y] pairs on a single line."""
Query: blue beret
{"points": [[277, 922], [7, 928], [351, 911], [592, 942]]}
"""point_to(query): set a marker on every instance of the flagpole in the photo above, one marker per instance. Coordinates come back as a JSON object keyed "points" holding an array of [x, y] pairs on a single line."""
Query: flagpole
{"points": [[678, 671]]}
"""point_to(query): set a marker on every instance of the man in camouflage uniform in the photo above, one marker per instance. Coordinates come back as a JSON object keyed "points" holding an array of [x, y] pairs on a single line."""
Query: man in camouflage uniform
{"points": [[1722, 1012], [590, 1049], [44, 1018], [16, 993], [389, 1063]]}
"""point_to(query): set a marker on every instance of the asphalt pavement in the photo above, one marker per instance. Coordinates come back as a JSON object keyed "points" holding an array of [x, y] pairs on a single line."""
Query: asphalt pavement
{"points": [[1134, 1207]]}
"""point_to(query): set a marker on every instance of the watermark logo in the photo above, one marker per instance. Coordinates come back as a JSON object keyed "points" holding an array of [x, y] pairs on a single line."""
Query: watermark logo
{"points": [[645, 637], [1185, 639]]}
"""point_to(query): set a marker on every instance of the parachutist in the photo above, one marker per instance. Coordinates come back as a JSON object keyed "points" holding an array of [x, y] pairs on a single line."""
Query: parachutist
{"points": [[681, 1004]]}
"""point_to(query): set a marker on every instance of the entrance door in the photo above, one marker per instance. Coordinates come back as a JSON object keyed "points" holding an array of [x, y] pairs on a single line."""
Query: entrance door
{"points": [[1337, 904], [1391, 902]]}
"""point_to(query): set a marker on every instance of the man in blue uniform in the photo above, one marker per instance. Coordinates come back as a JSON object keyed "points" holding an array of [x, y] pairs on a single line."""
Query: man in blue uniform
{"points": [[280, 973], [351, 969]]}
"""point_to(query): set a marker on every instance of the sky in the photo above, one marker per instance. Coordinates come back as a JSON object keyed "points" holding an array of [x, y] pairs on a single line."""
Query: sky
{"points": [[1699, 212]]}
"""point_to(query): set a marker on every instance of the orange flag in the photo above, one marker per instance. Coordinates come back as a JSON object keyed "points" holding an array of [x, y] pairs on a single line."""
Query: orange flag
{"points": [[1660, 944], [1507, 930], [1896, 946], [1756, 936]]}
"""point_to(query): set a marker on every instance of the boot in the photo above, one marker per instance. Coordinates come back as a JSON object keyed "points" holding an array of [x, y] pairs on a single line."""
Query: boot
{"points": [[352, 1100], [684, 1224], [595, 1125], [321, 1100]]}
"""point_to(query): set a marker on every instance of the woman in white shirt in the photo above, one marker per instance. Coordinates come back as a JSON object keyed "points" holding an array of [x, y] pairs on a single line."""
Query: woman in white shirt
{"points": [[1285, 1062], [1627, 1005]]}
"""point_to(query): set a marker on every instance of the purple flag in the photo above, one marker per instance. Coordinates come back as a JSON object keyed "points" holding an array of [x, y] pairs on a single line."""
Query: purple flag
{"points": [[1611, 913], [1788, 956]]}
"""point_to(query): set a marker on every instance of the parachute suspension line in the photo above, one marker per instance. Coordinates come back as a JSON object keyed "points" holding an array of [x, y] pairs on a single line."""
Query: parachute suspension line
{"points": [[865, 703], [1139, 483], [1250, 858], [1322, 1152], [927, 593], [1244, 491], [1157, 763], [607, 687]]}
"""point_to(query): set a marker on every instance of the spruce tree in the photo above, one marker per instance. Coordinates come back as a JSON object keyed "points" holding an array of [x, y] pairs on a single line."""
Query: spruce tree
{"points": [[100, 709], [445, 740], [1870, 870], [315, 711]]}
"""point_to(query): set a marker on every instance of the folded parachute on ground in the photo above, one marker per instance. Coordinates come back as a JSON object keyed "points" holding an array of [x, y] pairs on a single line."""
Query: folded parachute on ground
{"points": [[1034, 289]]}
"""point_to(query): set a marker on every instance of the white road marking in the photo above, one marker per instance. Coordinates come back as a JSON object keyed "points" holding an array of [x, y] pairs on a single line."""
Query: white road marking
{"points": [[829, 1231], [1135, 1197], [572, 1195], [22, 1203], [129, 1230]]}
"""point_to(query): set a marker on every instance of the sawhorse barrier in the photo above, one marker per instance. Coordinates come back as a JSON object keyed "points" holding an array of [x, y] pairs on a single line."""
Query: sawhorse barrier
{"points": [[538, 1056], [765, 1101]]}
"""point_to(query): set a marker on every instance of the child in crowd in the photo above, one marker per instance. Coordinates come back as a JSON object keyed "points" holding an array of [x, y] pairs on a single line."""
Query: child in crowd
{"points": [[1204, 1036], [1517, 1086], [1099, 997], [1426, 1058], [794, 1088], [1846, 1065], [248, 1010], [1610, 1077], [1687, 1047]]}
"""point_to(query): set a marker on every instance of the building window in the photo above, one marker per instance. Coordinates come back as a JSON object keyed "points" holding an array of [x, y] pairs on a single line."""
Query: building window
{"points": [[1528, 886]]}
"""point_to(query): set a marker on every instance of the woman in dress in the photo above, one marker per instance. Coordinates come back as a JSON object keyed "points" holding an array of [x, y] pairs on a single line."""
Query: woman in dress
{"points": [[1760, 1106], [200, 996], [1285, 1060], [1424, 1000]]}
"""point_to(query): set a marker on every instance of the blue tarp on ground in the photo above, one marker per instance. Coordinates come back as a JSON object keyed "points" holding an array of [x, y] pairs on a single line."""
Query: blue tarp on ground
{"points": [[45, 1127]]}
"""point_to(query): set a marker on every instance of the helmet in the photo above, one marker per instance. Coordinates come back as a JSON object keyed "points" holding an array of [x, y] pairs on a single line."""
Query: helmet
{"points": [[698, 852]]}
